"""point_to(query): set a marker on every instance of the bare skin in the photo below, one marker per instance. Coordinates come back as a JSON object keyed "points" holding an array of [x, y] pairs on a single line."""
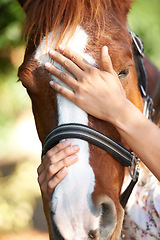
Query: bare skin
{"points": [[54, 166], [93, 86]]}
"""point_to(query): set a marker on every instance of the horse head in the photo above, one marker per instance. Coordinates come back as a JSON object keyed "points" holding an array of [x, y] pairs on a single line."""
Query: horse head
{"points": [[86, 204]]}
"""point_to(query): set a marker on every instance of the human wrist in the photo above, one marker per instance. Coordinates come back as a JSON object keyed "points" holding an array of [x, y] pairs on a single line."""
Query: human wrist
{"points": [[128, 116]]}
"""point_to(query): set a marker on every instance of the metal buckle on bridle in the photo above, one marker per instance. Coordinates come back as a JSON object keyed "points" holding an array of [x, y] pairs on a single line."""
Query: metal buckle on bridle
{"points": [[148, 109], [134, 168], [138, 43]]}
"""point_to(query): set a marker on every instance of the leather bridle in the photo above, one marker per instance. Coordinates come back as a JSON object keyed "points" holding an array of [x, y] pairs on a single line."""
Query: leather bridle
{"points": [[120, 153]]}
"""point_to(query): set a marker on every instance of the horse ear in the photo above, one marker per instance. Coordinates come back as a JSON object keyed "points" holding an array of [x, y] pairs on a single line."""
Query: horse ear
{"points": [[122, 6]]}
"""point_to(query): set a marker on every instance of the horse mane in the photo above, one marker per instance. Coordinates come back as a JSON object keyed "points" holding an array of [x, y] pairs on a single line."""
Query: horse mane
{"points": [[43, 16]]}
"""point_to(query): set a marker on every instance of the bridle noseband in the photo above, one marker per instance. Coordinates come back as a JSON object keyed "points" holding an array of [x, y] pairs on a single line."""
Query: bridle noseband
{"points": [[120, 153]]}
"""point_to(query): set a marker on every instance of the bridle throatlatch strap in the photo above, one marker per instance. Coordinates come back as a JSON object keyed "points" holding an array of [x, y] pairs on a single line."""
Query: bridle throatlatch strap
{"points": [[83, 132]]}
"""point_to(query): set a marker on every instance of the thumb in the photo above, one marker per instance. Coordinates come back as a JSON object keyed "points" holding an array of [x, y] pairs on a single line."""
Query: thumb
{"points": [[106, 62]]}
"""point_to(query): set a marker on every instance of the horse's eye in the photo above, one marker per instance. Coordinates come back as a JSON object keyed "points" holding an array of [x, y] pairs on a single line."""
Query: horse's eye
{"points": [[123, 73]]}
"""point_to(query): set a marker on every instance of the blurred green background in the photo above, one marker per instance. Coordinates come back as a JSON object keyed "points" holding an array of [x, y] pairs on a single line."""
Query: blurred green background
{"points": [[20, 204]]}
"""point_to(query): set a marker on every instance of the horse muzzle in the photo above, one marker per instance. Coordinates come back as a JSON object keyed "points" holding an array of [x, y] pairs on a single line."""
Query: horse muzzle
{"points": [[99, 223]]}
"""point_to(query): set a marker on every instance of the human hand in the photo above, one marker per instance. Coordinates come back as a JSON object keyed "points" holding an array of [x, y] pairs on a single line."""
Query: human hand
{"points": [[97, 92], [53, 168]]}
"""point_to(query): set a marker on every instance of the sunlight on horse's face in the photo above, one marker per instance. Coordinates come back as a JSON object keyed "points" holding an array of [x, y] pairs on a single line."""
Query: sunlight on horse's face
{"points": [[86, 204]]}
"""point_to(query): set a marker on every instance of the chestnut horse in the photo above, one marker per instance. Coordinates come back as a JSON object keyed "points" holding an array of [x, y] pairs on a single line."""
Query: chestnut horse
{"points": [[86, 204]]}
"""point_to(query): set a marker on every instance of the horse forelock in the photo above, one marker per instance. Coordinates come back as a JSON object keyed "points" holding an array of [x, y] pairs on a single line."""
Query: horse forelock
{"points": [[46, 16]]}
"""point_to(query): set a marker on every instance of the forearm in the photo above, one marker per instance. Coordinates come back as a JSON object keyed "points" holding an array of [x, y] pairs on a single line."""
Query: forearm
{"points": [[142, 136]]}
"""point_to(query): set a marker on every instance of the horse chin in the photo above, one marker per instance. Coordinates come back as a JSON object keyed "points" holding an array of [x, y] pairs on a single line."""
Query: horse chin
{"points": [[97, 223]]}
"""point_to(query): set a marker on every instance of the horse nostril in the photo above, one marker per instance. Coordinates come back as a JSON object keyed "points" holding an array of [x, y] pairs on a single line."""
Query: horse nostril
{"points": [[93, 234], [108, 216]]}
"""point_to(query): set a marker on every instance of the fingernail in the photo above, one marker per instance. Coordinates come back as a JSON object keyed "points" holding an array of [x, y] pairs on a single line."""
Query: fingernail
{"points": [[73, 158], [63, 170], [48, 65], [75, 147], [67, 142], [51, 83], [61, 48], [52, 52], [105, 49]]}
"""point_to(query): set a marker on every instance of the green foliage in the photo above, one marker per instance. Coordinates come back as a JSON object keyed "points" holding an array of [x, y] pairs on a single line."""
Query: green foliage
{"points": [[11, 19], [11, 22], [144, 20], [17, 191]]}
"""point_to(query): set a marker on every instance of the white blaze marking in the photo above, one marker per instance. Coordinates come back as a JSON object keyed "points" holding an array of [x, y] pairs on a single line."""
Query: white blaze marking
{"points": [[72, 205]]}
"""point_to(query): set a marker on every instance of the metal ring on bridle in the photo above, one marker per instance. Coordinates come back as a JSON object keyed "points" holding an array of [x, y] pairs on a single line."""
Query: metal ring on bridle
{"points": [[134, 168]]}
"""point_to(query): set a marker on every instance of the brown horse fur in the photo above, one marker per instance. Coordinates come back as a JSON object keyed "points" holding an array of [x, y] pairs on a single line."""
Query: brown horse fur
{"points": [[105, 22]]}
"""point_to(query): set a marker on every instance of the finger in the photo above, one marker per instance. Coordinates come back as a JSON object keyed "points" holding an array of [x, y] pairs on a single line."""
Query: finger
{"points": [[54, 168], [41, 177], [65, 92], [64, 153], [66, 63], [58, 148], [54, 163], [40, 169], [55, 181], [54, 171], [106, 61], [47, 188], [63, 76], [74, 57]]}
